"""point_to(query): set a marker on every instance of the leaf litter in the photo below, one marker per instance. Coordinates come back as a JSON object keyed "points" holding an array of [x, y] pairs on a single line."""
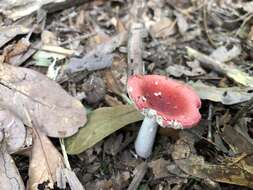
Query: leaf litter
{"points": [[88, 50]]}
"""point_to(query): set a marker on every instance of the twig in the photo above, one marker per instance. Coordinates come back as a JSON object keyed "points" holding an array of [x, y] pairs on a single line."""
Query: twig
{"points": [[135, 43], [135, 47], [54, 51], [141, 171], [65, 156], [248, 18], [209, 119], [83, 37], [205, 25]]}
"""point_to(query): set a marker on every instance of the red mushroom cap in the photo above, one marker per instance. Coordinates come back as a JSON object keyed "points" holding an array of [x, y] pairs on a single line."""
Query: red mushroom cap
{"points": [[172, 103]]}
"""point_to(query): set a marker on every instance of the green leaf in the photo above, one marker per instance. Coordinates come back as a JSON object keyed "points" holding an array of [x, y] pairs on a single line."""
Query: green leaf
{"points": [[101, 123]]}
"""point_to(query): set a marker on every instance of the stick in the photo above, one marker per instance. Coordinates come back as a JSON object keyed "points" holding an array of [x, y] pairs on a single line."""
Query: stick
{"points": [[135, 43], [141, 171], [135, 47]]}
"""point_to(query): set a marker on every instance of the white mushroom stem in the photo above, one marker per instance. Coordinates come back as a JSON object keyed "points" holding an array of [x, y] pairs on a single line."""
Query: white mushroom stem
{"points": [[146, 136]]}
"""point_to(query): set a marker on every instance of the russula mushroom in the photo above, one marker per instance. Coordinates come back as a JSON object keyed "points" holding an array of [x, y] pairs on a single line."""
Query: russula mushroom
{"points": [[163, 102]]}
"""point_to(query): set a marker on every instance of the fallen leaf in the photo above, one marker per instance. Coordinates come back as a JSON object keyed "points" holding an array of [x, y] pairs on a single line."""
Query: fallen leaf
{"points": [[181, 23], [9, 176], [112, 84], [139, 173], [230, 71], [113, 144], [71, 178], [195, 67], [231, 171], [163, 28], [8, 33], [13, 129], [222, 54], [94, 89], [227, 96], [159, 168], [112, 101], [90, 63], [101, 123], [99, 58], [34, 97], [15, 10], [19, 48], [239, 143], [45, 160], [239, 76], [180, 70], [48, 38], [250, 35], [21, 58], [247, 6]]}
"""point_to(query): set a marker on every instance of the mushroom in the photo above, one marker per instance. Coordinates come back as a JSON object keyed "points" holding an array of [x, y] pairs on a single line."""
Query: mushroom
{"points": [[163, 102]]}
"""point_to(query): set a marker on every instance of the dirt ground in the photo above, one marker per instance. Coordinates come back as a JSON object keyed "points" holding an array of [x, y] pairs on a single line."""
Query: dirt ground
{"points": [[206, 44]]}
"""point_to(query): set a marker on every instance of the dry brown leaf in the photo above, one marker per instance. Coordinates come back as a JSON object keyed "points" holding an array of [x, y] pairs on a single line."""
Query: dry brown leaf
{"points": [[163, 28], [181, 23], [94, 88], [180, 70], [14, 131], [69, 176], [111, 83], [112, 101], [20, 47], [223, 54], [9, 175], [113, 144], [48, 38], [8, 33], [250, 35], [34, 97], [23, 57], [44, 162], [235, 170], [159, 167]]}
